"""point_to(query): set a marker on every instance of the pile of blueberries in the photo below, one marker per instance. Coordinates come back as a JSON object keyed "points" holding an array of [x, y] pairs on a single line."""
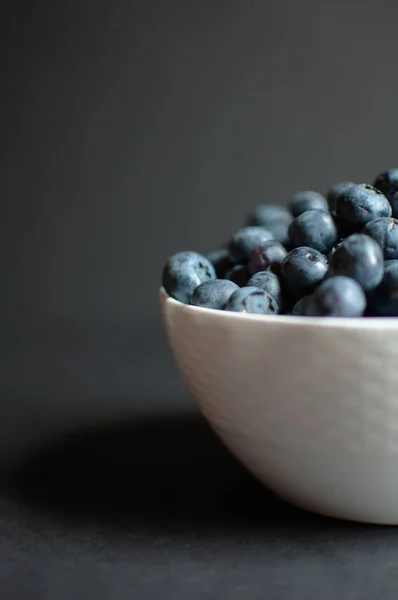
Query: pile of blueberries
{"points": [[333, 256]]}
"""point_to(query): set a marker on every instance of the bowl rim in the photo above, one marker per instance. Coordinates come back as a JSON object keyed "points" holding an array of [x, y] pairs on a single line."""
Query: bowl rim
{"points": [[378, 323]]}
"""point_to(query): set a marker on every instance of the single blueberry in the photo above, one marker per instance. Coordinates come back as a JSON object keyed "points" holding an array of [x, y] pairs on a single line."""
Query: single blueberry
{"points": [[252, 300], [302, 270], [338, 297], [279, 230], [335, 191], [268, 282], [302, 308], [360, 258], [267, 257], [238, 274], [385, 232], [246, 240], [183, 272], [213, 293], [307, 200], [313, 228], [358, 204], [221, 261], [274, 218], [262, 214], [384, 299], [387, 182]]}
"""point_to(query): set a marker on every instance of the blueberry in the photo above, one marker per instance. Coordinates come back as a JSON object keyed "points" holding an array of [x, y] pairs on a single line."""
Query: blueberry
{"points": [[263, 214], [385, 232], [213, 293], [387, 183], [274, 218], [221, 261], [338, 297], [246, 240], [238, 274], [267, 257], [307, 200], [183, 273], [302, 270], [360, 258], [279, 230], [335, 191], [384, 299], [268, 282], [313, 228], [302, 307], [358, 204], [252, 300]]}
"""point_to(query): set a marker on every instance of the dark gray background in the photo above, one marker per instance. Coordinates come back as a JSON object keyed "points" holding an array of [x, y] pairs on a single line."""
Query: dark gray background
{"points": [[135, 129]]}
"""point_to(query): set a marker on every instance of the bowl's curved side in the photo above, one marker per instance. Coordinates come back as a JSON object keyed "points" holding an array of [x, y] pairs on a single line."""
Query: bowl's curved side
{"points": [[312, 412]]}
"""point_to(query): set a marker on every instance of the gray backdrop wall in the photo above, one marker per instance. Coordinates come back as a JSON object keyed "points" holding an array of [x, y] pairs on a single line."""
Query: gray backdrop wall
{"points": [[131, 130]]}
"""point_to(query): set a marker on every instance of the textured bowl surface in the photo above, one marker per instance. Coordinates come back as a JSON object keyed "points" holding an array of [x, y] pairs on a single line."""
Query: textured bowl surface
{"points": [[309, 406]]}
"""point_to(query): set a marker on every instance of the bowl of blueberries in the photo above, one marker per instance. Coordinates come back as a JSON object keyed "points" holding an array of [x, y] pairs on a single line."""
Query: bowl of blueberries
{"points": [[287, 338]]}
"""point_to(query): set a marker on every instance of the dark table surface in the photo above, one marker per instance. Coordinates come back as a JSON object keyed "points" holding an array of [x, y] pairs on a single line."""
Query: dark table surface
{"points": [[144, 502]]}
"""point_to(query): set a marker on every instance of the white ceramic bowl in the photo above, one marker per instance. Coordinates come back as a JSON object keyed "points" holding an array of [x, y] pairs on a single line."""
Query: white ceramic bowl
{"points": [[309, 406]]}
